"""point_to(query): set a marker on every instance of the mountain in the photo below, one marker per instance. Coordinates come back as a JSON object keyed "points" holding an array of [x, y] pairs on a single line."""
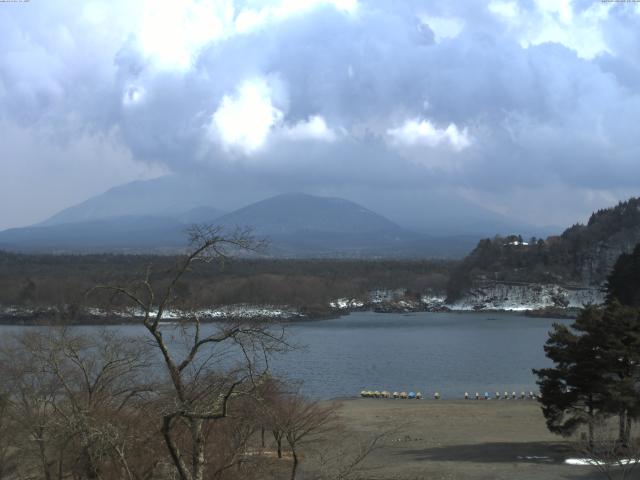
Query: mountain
{"points": [[296, 213], [172, 196], [429, 211], [582, 254], [200, 214], [443, 212], [296, 225], [299, 224], [126, 233], [421, 223]]}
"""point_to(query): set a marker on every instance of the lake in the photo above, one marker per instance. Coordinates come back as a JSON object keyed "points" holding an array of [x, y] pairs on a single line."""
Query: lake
{"points": [[445, 352]]}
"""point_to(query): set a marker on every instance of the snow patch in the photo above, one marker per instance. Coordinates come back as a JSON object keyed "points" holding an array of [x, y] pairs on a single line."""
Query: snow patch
{"points": [[241, 311], [590, 461], [346, 303], [514, 297]]}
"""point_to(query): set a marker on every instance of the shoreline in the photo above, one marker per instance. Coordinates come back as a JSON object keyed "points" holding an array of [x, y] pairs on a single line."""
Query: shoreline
{"points": [[50, 317]]}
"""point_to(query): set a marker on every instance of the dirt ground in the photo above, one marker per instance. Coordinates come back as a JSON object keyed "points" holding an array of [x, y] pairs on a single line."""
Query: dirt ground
{"points": [[503, 439]]}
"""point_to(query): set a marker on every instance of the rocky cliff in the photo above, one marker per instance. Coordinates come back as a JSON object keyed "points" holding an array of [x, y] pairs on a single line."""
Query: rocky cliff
{"points": [[520, 297], [596, 262]]}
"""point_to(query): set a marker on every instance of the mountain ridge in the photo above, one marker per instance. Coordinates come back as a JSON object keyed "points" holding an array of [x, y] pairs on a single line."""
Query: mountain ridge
{"points": [[296, 224], [174, 194]]}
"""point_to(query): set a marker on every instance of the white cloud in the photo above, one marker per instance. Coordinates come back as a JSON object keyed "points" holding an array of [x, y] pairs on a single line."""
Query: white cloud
{"points": [[243, 121], [247, 120], [172, 32], [249, 19], [556, 21], [506, 10], [418, 132], [315, 128], [443, 27]]}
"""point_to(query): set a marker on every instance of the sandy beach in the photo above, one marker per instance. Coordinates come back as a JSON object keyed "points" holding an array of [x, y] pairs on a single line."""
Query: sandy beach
{"points": [[458, 439]]}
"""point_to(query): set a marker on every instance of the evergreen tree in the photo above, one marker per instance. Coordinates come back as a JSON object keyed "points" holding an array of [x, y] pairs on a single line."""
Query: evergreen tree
{"points": [[572, 391], [617, 340], [597, 360], [624, 281]]}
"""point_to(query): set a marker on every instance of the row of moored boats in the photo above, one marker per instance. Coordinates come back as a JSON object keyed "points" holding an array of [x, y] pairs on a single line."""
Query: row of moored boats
{"points": [[436, 395], [385, 394]]}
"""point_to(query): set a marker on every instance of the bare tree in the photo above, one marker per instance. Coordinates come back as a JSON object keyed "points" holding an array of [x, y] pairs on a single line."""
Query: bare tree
{"points": [[70, 397], [202, 382], [611, 457], [297, 419], [7, 451]]}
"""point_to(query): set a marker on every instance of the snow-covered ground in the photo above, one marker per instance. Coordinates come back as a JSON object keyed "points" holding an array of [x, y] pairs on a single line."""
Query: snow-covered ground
{"points": [[511, 297], [497, 296], [589, 461], [346, 304], [386, 295], [226, 312]]}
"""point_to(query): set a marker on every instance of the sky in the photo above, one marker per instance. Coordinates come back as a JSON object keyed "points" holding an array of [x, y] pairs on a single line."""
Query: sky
{"points": [[530, 108]]}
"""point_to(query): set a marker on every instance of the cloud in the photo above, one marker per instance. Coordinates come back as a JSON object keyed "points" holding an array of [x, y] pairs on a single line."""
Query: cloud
{"points": [[443, 27], [423, 132], [251, 19], [247, 120], [557, 21], [314, 128], [243, 121], [172, 32], [308, 94]]}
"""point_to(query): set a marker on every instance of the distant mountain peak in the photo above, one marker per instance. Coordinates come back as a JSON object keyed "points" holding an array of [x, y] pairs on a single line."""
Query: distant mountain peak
{"points": [[297, 212]]}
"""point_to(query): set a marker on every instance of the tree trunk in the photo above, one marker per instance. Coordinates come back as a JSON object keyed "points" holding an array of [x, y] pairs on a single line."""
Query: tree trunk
{"points": [[278, 438], [176, 457], [262, 436], [627, 433], [198, 450], [294, 466], [591, 420], [91, 469], [622, 428], [43, 455]]}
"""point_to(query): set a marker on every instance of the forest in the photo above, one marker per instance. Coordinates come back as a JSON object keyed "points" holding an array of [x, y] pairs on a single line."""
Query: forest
{"points": [[39, 281]]}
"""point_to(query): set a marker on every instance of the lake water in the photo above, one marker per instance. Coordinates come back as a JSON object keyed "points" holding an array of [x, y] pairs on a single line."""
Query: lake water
{"points": [[445, 352]]}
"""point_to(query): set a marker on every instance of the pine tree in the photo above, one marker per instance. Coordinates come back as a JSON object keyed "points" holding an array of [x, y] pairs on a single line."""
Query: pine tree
{"points": [[617, 338], [572, 391], [597, 360], [624, 281]]}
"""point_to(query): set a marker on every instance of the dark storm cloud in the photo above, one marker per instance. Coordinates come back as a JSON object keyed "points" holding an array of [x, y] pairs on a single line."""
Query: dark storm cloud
{"points": [[404, 95]]}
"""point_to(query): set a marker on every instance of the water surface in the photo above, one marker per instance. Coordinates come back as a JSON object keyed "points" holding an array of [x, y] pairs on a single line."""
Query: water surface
{"points": [[445, 352], [449, 353]]}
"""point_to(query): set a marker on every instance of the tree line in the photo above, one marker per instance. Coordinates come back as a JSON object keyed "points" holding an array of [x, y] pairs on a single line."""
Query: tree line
{"points": [[41, 281]]}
